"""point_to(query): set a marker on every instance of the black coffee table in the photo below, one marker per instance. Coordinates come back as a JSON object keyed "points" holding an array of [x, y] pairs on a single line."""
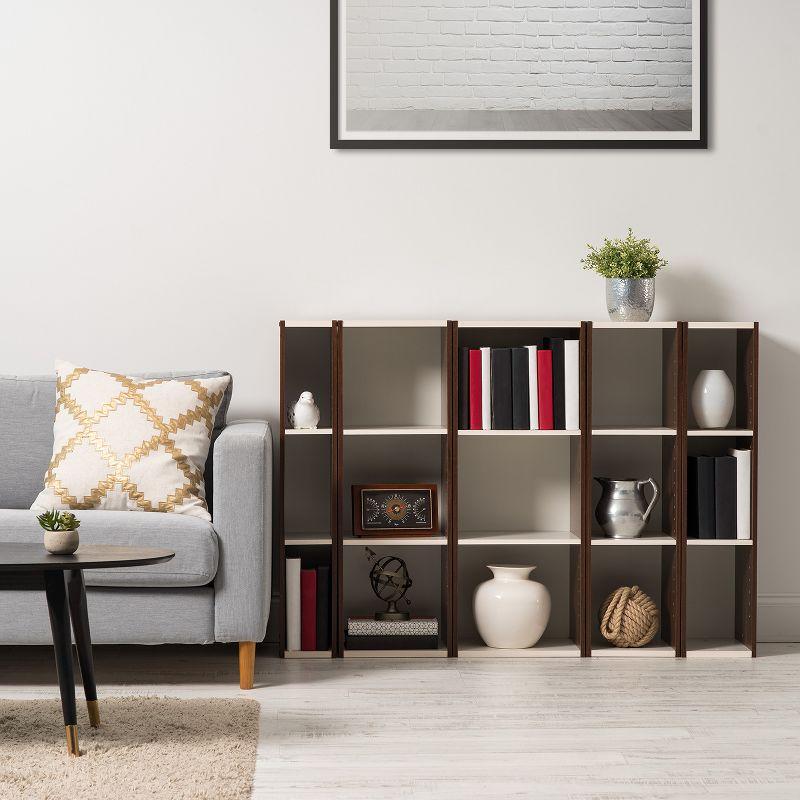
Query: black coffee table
{"points": [[30, 566]]}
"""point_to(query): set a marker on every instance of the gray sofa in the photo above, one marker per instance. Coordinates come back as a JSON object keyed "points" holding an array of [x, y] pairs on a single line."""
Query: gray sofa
{"points": [[216, 589]]}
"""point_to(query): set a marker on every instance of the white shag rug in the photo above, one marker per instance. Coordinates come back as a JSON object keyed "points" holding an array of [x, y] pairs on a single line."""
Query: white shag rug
{"points": [[152, 747]]}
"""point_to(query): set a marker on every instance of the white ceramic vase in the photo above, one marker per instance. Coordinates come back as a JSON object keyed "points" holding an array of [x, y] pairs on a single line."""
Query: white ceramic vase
{"points": [[62, 543], [712, 399], [511, 611]]}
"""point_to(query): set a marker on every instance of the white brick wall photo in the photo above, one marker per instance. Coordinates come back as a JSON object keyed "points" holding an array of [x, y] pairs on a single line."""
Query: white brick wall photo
{"points": [[451, 55]]}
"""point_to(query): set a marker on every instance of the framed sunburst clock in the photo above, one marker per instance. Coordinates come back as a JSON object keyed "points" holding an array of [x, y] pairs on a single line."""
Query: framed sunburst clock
{"points": [[384, 509]]}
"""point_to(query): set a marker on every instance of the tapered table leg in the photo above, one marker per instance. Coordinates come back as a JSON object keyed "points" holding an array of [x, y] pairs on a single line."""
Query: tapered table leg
{"points": [[56, 592], [83, 641]]}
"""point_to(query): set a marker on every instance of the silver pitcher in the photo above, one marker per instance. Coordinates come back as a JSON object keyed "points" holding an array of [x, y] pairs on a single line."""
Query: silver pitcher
{"points": [[622, 510]]}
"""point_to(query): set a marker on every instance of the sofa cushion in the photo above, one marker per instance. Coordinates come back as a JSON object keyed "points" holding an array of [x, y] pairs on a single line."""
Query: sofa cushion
{"points": [[27, 413], [194, 541], [126, 444]]}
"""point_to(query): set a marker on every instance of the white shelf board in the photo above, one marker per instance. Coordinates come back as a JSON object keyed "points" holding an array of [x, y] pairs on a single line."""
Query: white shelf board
{"points": [[720, 542], [518, 324], [722, 326], [394, 323], [651, 539], [308, 431], [518, 433], [299, 539], [634, 431], [652, 650], [716, 648], [517, 537], [719, 432], [308, 323], [307, 654], [437, 653], [421, 430], [394, 541], [544, 648], [607, 324]]}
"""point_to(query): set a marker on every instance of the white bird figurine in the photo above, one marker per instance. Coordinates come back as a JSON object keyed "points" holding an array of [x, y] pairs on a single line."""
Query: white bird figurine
{"points": [[304, 414]]}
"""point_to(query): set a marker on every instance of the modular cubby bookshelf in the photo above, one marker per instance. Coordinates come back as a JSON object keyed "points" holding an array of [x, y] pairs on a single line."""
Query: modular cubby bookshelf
{"points": [[388, 396]]}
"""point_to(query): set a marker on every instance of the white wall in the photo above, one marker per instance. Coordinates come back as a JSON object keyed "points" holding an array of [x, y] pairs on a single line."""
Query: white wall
{"points": [[166, 196], [519, 54]]}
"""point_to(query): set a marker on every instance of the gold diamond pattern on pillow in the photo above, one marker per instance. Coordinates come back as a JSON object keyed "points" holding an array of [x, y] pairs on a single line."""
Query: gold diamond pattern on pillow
{"points": [[122, 443]]}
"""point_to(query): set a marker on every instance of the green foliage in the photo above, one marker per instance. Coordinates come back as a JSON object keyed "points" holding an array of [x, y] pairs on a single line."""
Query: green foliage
{"points": [[59, 521], [625, 258]]}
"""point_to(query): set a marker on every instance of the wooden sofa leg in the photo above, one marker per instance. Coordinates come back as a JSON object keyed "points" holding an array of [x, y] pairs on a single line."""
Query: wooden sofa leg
{"points": [[247, 664]]}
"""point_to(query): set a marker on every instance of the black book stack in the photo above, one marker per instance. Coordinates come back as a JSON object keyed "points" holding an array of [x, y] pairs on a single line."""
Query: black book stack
{"points": [[711, 501]]}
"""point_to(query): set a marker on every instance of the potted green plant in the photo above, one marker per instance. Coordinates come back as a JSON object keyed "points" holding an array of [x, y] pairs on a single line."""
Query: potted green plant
{"points": [[60, 532], [629, 266]]}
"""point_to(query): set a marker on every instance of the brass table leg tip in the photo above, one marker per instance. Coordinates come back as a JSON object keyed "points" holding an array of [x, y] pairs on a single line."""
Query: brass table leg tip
{"points": [[72, 740], [94, 713]]}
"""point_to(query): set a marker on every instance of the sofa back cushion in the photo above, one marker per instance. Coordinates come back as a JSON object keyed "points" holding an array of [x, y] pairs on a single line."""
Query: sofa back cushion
{"points": [[27, 413]]}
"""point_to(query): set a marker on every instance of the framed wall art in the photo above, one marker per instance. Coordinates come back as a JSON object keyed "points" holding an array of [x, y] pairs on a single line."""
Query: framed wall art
{"points": [[384, 509], [519, 73]]}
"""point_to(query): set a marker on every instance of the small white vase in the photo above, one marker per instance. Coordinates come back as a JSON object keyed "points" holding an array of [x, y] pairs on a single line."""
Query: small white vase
{"points": [[61, 543], [712, 399], [511, 612]]}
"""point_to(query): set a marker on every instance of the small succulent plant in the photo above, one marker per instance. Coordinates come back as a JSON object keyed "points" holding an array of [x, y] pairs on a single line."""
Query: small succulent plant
{"points": [[59, 521]]}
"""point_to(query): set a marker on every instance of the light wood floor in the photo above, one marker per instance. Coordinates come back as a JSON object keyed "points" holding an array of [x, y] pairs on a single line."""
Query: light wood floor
{"points": [[532, 728]]}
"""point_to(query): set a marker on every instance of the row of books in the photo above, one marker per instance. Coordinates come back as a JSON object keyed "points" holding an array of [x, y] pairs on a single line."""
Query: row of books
{"points": [[308, 606], [719, 496], [367, 633], [530, 388]]}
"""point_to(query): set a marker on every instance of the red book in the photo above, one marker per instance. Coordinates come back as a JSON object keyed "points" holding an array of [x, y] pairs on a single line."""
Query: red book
{"points": [[545, 375], [308, 609], [475, 408]]}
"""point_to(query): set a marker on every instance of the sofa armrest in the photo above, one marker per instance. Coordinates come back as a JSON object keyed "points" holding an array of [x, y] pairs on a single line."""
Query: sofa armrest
{"points": [[242, 495]]}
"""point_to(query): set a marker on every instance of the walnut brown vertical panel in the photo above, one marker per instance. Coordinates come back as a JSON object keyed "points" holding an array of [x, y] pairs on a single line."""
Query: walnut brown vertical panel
{"points": [[681, 440], [746, 557], [337, 488], [452, 488], [280, 539], [586, 485]]}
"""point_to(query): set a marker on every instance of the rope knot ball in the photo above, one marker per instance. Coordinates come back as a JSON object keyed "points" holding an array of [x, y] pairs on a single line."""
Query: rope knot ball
{"points": [[628, 617]]}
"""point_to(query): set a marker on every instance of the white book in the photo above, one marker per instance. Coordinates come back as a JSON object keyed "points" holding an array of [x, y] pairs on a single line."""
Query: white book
{"points": [[486, 388], [292, 603], [571, 385], [742, 492], [533, 384]]}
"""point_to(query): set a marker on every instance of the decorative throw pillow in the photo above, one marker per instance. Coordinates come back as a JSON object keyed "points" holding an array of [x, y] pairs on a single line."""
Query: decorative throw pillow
{"points": [[128, 444]]}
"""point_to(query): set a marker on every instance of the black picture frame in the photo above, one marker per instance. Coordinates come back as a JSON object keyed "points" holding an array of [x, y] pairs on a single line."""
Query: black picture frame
{"points": [[338, 143], [426, 493]]}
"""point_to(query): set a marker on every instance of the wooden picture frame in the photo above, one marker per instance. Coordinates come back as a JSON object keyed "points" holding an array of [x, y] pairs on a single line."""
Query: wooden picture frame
{"points": [[407, 525], [590, 118]]}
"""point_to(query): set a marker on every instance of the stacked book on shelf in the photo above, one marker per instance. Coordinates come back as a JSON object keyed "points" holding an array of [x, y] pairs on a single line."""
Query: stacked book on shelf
{"points": [[308, 606], [718, 504], [529, 388], [367, 633]]}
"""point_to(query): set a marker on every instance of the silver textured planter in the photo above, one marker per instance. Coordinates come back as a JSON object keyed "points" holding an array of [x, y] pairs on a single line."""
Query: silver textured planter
{"points": [[630, 299]]}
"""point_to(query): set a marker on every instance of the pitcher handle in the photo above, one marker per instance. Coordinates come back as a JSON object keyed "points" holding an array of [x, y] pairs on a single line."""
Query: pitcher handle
{"points": [[656, 495]]}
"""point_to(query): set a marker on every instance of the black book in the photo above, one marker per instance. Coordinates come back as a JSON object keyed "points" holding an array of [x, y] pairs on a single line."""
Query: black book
{"points": [[323, 607], [463, 389], [725, 496], [700, 521], [520, 385], [556, 345], [502, 416], [399, 642]]}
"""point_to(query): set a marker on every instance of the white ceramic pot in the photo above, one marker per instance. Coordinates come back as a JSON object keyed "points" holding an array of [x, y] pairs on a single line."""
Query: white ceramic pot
{"points": [[511, 612], [61, 543], [712, 399]]}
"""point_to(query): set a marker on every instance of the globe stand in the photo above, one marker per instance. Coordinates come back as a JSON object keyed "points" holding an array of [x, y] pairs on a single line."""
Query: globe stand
{"points": [[392, 613]]}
